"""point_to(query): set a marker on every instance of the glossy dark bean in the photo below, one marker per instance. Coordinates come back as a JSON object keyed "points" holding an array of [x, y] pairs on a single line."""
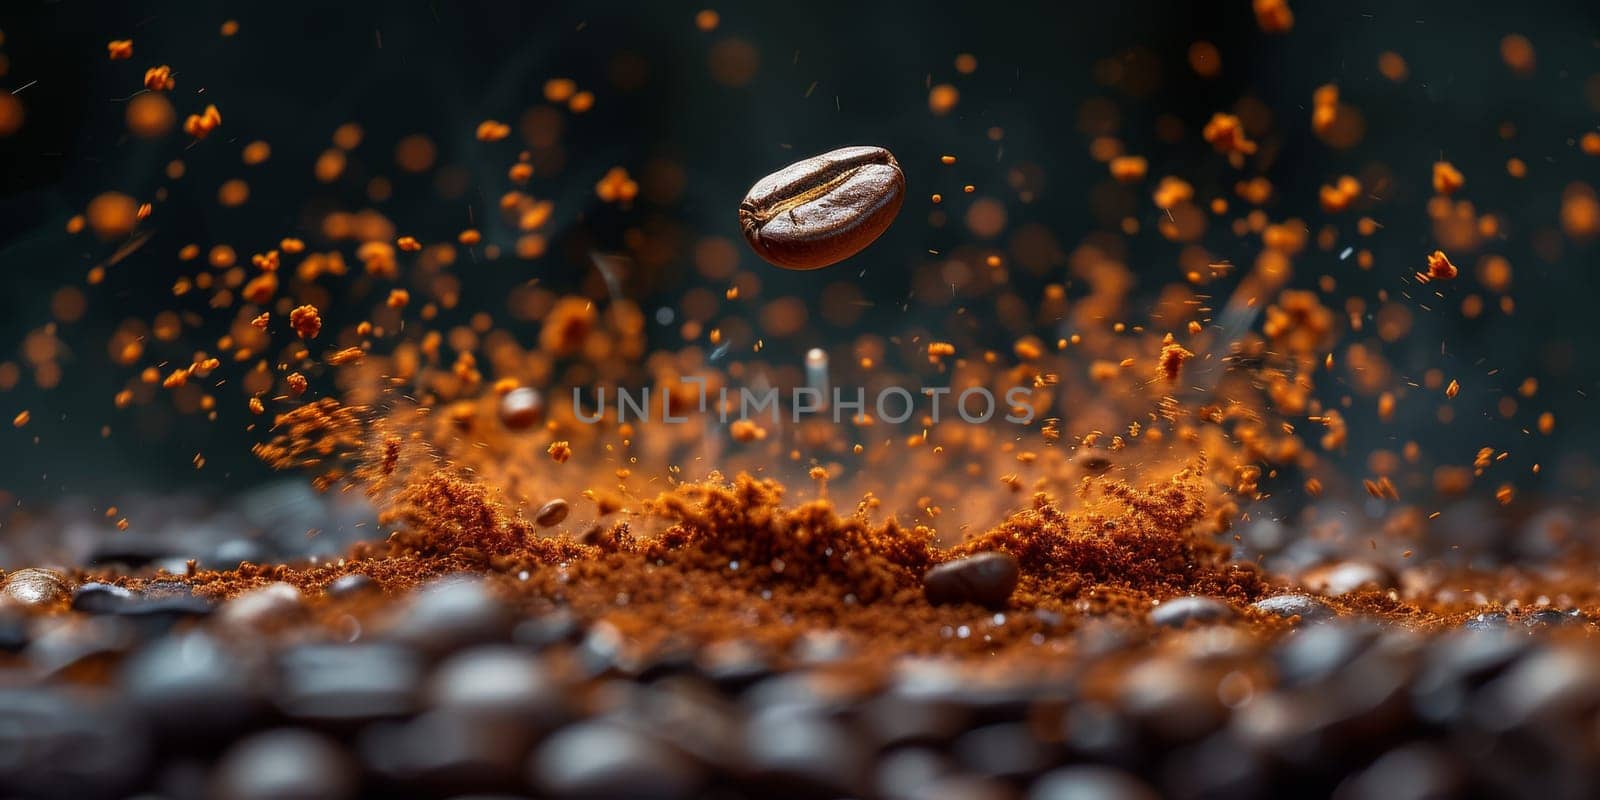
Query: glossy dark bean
{"points": [[1007, 750], [796, 752], [986, 579], [495, 680], [282, 764], [1181, 611], [1090, 783], [34, 588], [1308, 609], [60, 743], [348, 683], [1094, 461], [1315, 653], [101, 598], [552, 513], [351, 585], [450, 613], [449, 753], [601, 760], [521, 408], [824, 209], [193, 688], [1344, 577], [263, 608]]}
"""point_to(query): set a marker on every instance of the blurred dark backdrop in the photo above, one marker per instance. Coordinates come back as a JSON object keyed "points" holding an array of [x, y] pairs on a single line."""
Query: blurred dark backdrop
{"points": [[829, 74]]}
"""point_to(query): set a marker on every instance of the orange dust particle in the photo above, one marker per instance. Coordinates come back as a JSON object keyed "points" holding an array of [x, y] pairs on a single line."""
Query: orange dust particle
{"points": [[733, 62], [256, 152], [415, 153], [120, 49], [233, 193], [1205, 59], [1172, 357], [1516, 167], [1590, 143], [1273, 16], [306, 321], [559, 451], [11, 114], [230, 28], [1517, 52], [1226, 134], [1453, 389], [1129, 169], [942, 99], [348, 355], [112, 215], [1446, 178], [745, 430], [1439, 266], [560, 90], [492, 130], [348, 136], [1392, 66], [408, 244], [398, 298], [21, 418], [966, 63], [706, 20], [297, 383], [201, 125], [616, 187], [150, 115], [159, 79]]}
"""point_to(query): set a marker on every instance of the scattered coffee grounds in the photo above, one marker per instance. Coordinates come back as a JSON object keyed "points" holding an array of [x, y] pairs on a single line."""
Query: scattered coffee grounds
{"points": [[1187, 441]]}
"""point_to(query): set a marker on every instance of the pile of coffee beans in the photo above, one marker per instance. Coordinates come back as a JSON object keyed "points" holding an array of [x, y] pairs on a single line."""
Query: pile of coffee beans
{"points": [[111, 692]]}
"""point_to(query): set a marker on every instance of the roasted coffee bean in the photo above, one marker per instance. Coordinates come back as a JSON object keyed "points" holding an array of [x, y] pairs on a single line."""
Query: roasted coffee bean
{"points": [[552, 513], [34, 588], [63, 743], [824, 209], [986, 579], [1007, 750], [1316, 653], [599, 759], [796, 751], [13, 632], [1487, 621], [1307, 608], [1551, 618], [285, 763], [350, 585], [348, 683], [193, 688], [1093, 461], [264, 608], [1344, 577], [449, 613], [449, 753], [496, 680], [1181, 611], [521, 408], [1090, 783], [101, 598]]}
